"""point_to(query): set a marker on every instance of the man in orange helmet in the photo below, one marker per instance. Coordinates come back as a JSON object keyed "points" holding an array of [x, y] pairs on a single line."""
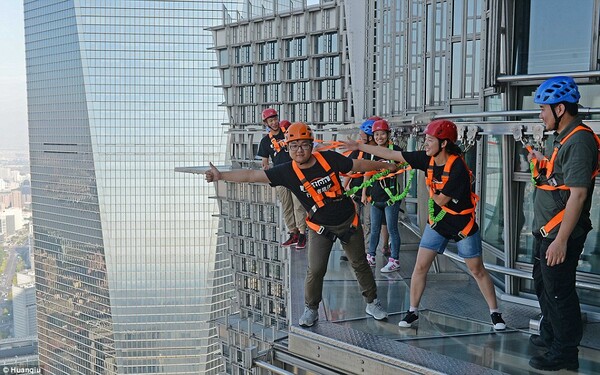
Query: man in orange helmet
{"points": [[272, 146], [314, 179]]}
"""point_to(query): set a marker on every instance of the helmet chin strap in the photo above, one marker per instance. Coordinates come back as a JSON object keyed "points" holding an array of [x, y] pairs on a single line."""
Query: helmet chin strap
{"points": [[556, 117]]}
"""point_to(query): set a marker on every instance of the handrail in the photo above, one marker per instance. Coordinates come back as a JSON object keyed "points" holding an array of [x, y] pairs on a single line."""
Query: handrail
{"points": [[518, 273], [536, 77], [506, 113], [272, 368]]}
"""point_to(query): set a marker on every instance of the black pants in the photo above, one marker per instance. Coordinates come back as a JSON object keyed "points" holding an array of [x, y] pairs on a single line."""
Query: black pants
{"points": [[555, 289]]}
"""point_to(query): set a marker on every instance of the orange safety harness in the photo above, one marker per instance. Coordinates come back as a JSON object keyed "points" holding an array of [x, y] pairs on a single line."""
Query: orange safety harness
{"points": [[439, 185], [335, 193], [356, 175], [277, 145], [551, 184]]}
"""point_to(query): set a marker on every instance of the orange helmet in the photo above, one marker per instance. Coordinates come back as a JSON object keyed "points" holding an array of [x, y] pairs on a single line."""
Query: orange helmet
{"points": [[298, 131], [442, 129], [269, 112], [381, 125], [284, 124]]}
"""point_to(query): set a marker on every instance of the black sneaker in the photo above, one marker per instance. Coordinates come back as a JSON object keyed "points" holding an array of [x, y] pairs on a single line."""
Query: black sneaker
{"points": [[408, 320], [549, 362], [301, 244], [498, 322]]}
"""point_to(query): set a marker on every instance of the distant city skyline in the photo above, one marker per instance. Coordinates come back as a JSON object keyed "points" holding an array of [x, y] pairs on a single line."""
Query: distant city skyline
{"points": [[13, 91]]}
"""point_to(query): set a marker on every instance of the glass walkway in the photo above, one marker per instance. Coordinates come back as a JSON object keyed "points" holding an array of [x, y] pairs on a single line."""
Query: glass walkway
{"points": [[454, 334]]}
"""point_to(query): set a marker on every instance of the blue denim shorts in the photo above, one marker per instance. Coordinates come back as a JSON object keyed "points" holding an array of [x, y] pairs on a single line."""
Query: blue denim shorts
{"points": [[469, 247]]}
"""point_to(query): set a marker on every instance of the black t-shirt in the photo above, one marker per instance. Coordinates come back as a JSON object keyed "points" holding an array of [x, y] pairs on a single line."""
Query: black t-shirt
{"points": [[378, 193], [266, 149], [357, 181], [333, 212], [458, 188]]}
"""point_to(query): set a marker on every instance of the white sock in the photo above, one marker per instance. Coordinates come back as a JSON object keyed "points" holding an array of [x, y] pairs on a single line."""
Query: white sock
{"points": [[413, 310], [494, 311]]}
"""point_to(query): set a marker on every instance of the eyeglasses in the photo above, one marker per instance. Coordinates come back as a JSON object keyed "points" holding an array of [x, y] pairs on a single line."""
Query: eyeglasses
{"points": [[304, 146]]}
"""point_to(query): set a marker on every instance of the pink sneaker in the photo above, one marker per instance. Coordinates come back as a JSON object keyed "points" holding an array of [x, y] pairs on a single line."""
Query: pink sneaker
{"points": [[393, 265], [371, 260]]}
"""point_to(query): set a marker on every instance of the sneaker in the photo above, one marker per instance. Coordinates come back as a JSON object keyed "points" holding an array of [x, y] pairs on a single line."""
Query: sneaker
{"points": [[371, 260], [408, 320], [309, 317], [301, 241], [386, 250], [497, 321], [375, 310], [292, 240], [393, 265], [551, 362]]}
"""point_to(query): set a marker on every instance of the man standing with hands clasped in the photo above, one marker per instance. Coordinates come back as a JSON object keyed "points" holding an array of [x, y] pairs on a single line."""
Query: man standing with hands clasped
{"points": [[562, 202], [272, 146], [314, 179]]}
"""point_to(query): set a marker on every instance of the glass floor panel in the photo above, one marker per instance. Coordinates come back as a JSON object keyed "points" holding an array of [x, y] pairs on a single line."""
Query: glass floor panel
{"points": [[441, 331]]}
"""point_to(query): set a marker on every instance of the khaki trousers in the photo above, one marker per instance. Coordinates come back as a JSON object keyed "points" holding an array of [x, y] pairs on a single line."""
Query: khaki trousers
{"points": [[319, 248], [294, 214]]}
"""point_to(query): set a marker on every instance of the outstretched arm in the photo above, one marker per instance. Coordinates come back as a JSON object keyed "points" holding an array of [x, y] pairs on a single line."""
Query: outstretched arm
{"points": [[382, 152], [237, 175], [361, 165]]}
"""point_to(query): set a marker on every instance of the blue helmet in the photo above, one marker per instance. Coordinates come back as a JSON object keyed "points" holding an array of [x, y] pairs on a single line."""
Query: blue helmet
{"points": [[367, 127], [557, 90]]}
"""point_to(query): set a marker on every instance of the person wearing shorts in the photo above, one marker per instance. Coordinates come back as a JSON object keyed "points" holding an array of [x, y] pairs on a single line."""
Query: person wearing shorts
{"points": [[451, 212]]}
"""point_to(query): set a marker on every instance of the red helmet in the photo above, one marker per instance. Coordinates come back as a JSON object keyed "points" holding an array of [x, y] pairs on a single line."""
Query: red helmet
{"points": [[442, 129], [284, 124], [374, 118], [381, 125], [298, 131], [269, 112]]}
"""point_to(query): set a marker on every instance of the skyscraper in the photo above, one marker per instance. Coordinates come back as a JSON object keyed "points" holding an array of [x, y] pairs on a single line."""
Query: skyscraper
{"points": [[128, 272], [24, 305]]}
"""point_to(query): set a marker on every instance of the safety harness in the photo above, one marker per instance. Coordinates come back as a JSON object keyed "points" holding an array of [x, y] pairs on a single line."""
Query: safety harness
{"points": [[276, 144], [545, 168], [435, 186], [393, 198], [334, 194]]}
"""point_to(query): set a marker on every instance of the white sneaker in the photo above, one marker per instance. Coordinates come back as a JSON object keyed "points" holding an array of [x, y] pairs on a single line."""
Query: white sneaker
{"points": [[393, 265], [309, 317], [371, 260], [375, 310]]}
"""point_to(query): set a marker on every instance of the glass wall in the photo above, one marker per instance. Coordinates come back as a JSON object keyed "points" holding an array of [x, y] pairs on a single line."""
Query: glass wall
{"points": [[552, 36], [128, 274]]}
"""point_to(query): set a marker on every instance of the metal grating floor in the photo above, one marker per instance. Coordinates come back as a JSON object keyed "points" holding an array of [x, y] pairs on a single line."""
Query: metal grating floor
{"points": [[454, 334]]}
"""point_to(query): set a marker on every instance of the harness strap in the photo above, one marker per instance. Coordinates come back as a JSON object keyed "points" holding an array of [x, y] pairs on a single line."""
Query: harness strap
{"points": [[435, 186], [549, 166], [324, 231], [275, 143], [334, 193]]}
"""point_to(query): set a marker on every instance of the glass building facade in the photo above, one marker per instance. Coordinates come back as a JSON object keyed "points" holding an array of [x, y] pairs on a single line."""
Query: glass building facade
{"points": [[476, 62], [129, 272]]}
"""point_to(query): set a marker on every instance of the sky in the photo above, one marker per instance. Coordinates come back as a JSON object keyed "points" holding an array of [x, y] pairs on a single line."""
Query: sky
{"points": [[13, 90]]}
